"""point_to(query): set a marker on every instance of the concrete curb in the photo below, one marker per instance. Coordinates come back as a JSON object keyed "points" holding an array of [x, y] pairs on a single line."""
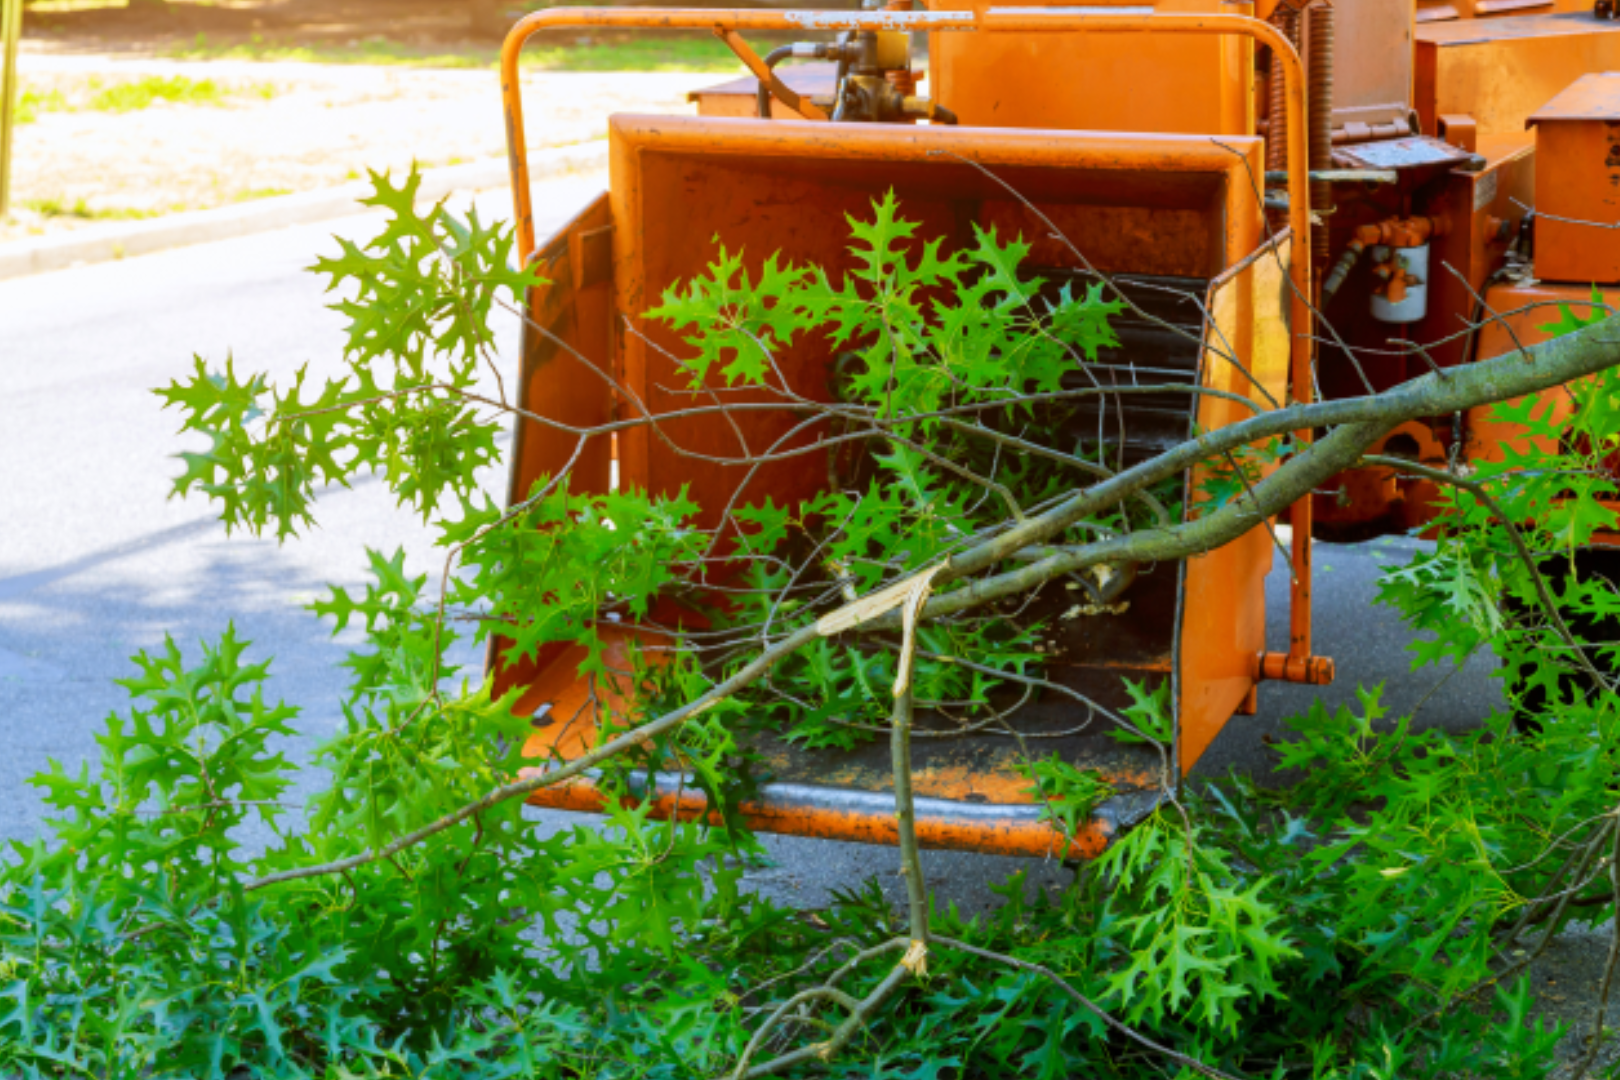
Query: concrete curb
{"points": [[119, 240]]}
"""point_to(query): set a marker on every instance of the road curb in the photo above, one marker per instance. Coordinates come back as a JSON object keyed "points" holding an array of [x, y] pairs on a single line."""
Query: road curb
{"points": [[119, 240]]}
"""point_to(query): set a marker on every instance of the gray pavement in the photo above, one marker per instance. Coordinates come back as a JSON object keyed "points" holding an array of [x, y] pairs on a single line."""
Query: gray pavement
{"points": [[96, 561]]}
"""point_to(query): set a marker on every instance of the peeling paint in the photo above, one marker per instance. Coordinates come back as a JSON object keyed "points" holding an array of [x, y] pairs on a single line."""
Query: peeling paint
{"points": [[882, 20]]}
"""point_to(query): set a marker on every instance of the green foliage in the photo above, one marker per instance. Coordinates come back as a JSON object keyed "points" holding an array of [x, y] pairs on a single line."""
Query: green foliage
{"points": [[1069, 794], [417, 329], [1149, 713], [30, 103], [166, 926], [918, 330], [1195, 938]]}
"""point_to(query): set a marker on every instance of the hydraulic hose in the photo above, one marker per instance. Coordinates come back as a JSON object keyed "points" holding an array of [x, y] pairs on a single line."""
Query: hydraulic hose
{"points": [[762, 103]]}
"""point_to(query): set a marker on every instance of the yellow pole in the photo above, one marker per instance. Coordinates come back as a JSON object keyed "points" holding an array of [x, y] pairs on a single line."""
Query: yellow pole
{"points": [[11, 30]]}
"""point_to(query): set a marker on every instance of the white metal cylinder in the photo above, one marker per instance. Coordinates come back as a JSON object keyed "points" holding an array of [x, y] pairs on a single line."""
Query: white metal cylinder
{"points": [[1414, 264]]}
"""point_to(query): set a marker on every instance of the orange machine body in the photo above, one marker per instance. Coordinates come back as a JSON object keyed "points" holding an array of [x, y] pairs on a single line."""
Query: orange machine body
{"points": [[1146, 133], [1150, 206]]}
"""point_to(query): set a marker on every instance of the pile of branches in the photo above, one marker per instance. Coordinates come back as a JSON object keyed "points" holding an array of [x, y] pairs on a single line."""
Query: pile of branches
{"points": [[391, 929]]}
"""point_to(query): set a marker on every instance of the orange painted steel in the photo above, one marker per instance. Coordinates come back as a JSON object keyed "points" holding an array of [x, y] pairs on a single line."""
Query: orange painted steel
{"points": [[864, 818], [1500, 71], [1299, 629], [1578, 182], [1168, 83], [1008, 21], [566, 728], [1527, 310], [780, 91]]}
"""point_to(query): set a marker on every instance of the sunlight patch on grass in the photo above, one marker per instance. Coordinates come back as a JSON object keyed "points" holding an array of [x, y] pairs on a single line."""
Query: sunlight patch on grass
{"points": [[59, 208], [370, 51], [260, 193], [96, 94], [696, 54], [31, 103], [660, 54], [143, 93]]}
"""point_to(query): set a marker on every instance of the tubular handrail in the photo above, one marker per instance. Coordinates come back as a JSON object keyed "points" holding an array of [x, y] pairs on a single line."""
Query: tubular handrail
{"points": [[1010, 20]]}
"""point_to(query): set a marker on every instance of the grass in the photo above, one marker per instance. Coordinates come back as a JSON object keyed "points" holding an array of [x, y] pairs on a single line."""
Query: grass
{"points": [[79, 208], [133, 95], [33, 102], [56, 208], [641, 52], [143, 93], [369, 51]]}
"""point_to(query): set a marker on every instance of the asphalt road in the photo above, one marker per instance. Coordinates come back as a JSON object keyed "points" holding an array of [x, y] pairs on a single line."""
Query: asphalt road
{"points": [[97, 562]]}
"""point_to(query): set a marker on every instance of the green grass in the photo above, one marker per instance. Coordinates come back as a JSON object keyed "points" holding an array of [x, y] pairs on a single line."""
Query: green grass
{"points": [[55, 208], [370, 51], [31, 103], [687, 52], [143, 93], [133, 95], [79, 208]]}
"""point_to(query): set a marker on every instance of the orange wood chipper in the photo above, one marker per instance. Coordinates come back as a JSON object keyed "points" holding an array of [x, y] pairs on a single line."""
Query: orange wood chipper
{"points": [[1397, 149]]}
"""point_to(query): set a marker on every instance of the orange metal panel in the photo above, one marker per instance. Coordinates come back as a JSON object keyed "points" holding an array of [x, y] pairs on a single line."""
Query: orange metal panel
{"points": [[1372, 80], [571, 336], [1578, 182], [869, 817], [1165, 84], [1499, 71], [1223, 606], [1149, 204], [1525, 309]]}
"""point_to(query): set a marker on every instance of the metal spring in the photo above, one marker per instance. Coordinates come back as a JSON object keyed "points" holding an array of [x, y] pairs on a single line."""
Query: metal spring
{"points": [[1320, 117], [1286, 19]]}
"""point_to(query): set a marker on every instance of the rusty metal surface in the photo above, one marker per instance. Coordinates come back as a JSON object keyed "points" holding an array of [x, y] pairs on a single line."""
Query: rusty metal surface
{"points": [[1165, 84], [1577, 196], [985, 767], [834, 813], [1411, 152], [1594, 96], [1500, 71]]}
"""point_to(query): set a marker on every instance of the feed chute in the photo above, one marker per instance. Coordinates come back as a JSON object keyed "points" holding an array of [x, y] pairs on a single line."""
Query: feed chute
{"points": [[1228, 179]]}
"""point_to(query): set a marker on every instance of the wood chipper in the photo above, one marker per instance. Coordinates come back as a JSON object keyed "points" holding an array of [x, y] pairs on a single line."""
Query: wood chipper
{"points": [[1158, 137]]}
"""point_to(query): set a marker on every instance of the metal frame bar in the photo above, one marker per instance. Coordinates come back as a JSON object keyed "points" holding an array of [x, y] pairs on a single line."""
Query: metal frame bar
{"points": [[867, 817]]}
